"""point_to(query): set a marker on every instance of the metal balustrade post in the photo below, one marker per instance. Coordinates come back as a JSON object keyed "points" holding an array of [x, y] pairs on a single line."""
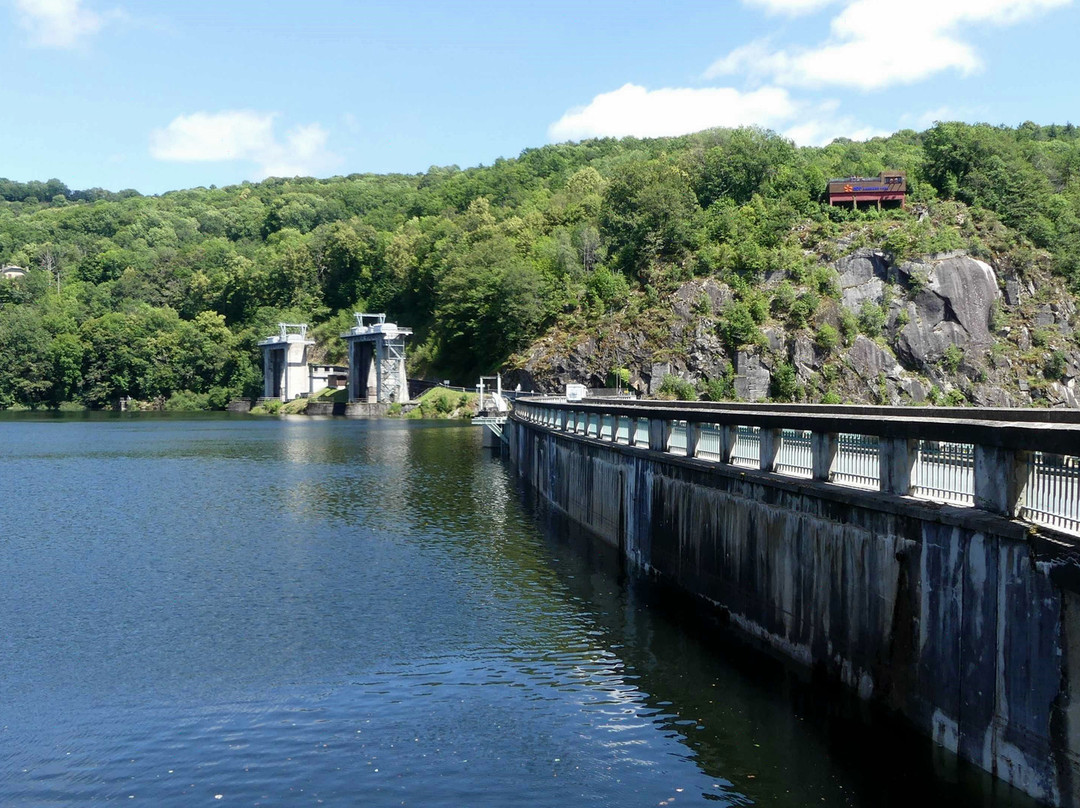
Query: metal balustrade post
{"points": [[770, 448], [562, 420], [659, 434], [896, 462], [693, 438], [823, 449], [1000, 479]]}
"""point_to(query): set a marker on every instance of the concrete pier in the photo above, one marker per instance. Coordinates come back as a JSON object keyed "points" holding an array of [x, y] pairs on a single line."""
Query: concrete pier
{"points": [[285, 362], [961, 614], [377, 360]]}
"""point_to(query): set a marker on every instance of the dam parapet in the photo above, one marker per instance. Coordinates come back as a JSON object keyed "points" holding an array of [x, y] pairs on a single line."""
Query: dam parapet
{"points": [[926, 558]]}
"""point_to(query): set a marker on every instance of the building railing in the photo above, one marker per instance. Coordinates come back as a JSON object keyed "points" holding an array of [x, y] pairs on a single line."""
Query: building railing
{"points": [[1022, 464]]}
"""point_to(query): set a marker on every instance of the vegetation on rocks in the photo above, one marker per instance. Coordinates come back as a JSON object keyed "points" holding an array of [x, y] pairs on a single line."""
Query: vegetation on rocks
{"points": [[712, 258]]}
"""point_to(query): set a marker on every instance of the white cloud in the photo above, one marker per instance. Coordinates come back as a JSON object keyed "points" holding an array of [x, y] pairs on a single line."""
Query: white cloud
{"points": [[820, 131], [244, 135], [57, 23], [790, 6], [634, 110], [873, 44], [926, 119]]}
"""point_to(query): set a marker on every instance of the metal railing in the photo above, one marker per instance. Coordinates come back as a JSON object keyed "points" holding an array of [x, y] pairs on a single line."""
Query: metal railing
{"points": [[945, 472], [677, 438], [858, 462], [1030, 467], [747, 448], [710, 444], [795, 456], [1052, 494]]}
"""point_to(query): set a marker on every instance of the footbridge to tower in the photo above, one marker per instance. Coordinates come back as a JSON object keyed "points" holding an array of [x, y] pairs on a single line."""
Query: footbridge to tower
{"points": [[927, 558]]}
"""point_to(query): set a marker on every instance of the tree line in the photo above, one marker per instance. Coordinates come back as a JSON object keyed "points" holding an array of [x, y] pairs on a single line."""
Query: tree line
{"points": [[164, 298]]}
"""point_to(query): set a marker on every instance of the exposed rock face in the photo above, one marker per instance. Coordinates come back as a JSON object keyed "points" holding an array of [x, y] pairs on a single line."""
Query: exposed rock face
{"points": [[870, 361], [804, 356], [751, 377], [911, 362], [862, 278], [692, 297], [953, 308]]}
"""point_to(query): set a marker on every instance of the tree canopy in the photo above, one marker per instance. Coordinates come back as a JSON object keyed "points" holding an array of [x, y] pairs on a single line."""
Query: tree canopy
{"points": [[154, 297]]}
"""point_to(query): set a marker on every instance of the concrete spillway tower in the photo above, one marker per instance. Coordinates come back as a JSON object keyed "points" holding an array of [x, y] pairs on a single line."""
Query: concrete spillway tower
{"points": [[377, 360], [285, 362]]}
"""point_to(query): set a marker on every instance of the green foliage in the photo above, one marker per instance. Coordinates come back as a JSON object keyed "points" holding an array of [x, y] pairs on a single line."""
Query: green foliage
{"points": [[672, 386], [783, 299], [1041, 337], [784, 385], [609, 289], [188, 401], [757, 304], [165, 298], [648, 213], [955, 398], [871, 319], [1056, 365], [438, 402], [824, 281], [952, 358], [826, 337], [803, 309], [737, 326]]}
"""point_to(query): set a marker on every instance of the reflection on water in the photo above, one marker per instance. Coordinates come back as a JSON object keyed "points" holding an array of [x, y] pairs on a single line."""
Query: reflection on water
{"points": [[322, 611]]}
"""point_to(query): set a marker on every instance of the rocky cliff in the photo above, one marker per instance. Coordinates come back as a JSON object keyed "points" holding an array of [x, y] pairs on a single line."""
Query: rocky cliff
{"points": [[947, 328]]}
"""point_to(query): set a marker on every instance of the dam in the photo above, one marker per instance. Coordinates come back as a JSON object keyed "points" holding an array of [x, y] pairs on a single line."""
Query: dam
{"points": [[924, 558]]}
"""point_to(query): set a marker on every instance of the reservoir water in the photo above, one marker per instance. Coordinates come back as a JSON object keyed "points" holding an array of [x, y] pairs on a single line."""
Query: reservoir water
{"points": [[278, 612]]}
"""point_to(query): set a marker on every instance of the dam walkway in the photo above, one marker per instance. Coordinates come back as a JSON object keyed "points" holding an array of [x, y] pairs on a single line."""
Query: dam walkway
{"points": [[1020, 463]]}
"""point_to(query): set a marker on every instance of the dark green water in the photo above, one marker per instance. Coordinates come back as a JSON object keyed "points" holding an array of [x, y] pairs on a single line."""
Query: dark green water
{"points": [[241, 611]]}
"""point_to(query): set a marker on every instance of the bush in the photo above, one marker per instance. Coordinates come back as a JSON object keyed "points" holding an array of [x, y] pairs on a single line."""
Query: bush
{"points": [[784, 385], [825, 281], [722, 389], [849, 326], [955, 398], [737, 327], [1056, 365], [1040, 337], [673, 387], [783, 299], [186, 401], [952, 358], [871, 319], [608, 288], [803, 309], [827, 337]]}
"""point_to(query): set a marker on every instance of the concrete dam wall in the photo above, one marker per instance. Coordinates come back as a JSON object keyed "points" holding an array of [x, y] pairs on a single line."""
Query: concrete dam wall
{"points": [[965, 622]]}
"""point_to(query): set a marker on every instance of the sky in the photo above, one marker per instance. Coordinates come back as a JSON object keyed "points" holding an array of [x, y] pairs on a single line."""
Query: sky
{"points": [[160, 96]]}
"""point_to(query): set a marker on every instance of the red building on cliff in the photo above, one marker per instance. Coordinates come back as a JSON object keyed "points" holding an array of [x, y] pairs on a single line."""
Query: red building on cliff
{"points": [[886, 190]]}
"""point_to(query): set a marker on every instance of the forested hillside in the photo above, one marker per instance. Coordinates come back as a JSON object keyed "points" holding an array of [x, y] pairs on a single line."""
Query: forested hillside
{"points": [[163, 298]]}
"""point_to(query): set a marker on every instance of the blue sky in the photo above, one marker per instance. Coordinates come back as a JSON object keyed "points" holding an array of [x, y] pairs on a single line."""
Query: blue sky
{"points": [[158, 96]]}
